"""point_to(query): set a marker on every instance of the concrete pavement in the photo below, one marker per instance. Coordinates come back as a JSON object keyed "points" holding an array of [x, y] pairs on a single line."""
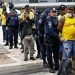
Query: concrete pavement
{"points": [[13, 61]]}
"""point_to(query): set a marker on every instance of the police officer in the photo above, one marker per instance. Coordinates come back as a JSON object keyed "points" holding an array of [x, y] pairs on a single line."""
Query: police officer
{"points": [[37, 13], [41, 23], [13, 28], [52, 40]]}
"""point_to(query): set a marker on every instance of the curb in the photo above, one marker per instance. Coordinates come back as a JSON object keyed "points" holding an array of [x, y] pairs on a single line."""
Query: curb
{"points": [[20, 67]]}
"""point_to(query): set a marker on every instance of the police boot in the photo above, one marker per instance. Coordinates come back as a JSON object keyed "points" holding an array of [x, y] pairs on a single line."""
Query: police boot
{"points": [[6, 44], [56, 66], [38, 56], [15, 46], [51, 67], [45, 65], [11, 46], [51, 70]]}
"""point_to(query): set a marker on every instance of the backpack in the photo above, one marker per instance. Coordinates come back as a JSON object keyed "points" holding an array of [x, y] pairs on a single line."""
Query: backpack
{"points": [[65, 67]]}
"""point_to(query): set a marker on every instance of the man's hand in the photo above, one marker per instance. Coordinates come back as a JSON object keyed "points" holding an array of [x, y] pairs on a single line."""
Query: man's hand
{"points": [[34, 27]]}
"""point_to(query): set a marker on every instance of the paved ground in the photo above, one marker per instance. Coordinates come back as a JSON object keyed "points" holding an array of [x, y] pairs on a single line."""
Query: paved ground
{"points": [[39, 73], [11, 62]]}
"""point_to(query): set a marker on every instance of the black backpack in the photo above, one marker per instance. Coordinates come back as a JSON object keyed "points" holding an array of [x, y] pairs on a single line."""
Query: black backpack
{"points": [[65, 67]]}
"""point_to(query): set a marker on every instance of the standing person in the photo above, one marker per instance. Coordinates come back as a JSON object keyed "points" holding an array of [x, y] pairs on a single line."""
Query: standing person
{"points": [[67, 26], [62, 9], [31, 13], [31, 16], [3, 23], [13, 26], [37, 13], [52, 40], [6, 29], [41, 33], [27, 37]]}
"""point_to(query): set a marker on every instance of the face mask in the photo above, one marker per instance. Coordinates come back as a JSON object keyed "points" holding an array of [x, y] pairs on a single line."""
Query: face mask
{"points": [[70, 14]]}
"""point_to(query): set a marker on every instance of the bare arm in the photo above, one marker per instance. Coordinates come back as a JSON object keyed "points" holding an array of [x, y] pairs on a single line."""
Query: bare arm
{"points": [[61, 23]]}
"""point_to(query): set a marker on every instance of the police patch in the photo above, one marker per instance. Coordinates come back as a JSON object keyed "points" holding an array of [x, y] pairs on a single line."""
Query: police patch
{"points": [[50, 24]]}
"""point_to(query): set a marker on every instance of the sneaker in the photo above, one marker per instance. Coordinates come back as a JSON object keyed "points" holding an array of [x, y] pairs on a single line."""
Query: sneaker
{"points": [[32, 58], [26, 59], [21, 48], [10, 47], [38, 56], [16, 47], [51, 70]]}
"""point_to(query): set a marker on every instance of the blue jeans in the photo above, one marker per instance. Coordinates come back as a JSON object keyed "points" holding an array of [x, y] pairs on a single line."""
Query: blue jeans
{"points": [[69, 49]]}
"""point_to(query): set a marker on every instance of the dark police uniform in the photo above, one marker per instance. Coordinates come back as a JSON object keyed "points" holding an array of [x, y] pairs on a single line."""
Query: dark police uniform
{"points": [[13, 29], [52, 41], [41, 23], [37, 36]]}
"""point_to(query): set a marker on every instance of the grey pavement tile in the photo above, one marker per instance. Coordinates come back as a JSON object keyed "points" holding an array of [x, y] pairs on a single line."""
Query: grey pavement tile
{"points": [[3, 50]]}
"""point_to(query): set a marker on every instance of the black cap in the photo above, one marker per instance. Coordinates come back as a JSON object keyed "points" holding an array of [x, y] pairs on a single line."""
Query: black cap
{"points": [[46, 11], [62, 7], [27, 6]]}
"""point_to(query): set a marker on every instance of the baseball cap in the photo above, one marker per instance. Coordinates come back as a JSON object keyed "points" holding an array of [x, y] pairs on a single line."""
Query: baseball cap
{"points": [[62, 7], [46, 11], [53, 10], [27, 6]]}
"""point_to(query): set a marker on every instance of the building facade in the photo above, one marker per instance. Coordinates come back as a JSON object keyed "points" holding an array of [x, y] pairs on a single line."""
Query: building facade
{"points": [[38, 1]]}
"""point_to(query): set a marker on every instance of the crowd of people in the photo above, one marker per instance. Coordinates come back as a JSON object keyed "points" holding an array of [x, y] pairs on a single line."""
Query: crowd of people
{"points": [[54, 34]]}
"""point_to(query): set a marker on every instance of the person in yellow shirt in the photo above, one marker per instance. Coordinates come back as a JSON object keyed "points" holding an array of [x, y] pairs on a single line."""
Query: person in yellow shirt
{"points": [[62, 9], [67, 26], [1, 10], [30, 11], [3, 23]]}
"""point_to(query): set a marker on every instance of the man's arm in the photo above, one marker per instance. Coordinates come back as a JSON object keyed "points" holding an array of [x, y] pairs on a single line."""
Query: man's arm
{"points": [[61, 23]]}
